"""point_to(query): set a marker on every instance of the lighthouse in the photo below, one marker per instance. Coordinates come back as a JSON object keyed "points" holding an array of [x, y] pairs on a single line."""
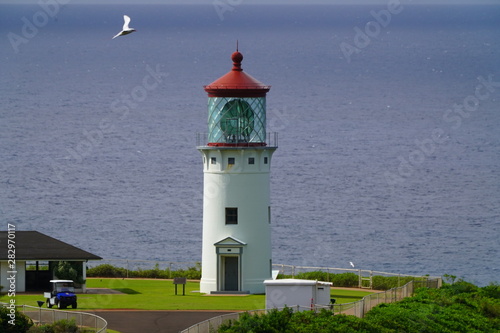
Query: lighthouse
{"points": [[237, 152]]}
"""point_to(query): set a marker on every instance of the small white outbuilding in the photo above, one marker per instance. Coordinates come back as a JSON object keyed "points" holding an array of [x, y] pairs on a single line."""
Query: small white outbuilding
{"points": [[293, 292]]}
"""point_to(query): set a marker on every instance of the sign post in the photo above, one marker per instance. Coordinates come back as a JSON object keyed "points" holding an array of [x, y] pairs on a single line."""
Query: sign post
{"points": [[180, 280]]}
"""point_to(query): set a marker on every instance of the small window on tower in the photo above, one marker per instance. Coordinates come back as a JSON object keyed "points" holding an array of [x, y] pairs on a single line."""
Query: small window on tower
{"points": [[213, 160], [231, 215], [265, 160], [230, 160], [251, 160]]}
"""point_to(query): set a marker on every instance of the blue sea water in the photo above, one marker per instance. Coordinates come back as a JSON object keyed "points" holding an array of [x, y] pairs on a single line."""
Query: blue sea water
{"points": [[389, 143]]}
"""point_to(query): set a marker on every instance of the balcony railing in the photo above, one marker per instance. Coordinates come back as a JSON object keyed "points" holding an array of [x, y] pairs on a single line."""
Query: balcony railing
{"points": [[271, 141]]}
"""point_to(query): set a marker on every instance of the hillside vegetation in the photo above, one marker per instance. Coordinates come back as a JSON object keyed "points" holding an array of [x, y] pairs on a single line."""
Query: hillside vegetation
{"points": [[458, 307]]}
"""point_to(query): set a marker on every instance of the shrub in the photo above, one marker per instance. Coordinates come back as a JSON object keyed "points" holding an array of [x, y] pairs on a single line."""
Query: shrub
{"points": [[193, 273], [69, 270], [154, 273], [453, 308], [60, 326], [314, 275], [106, 270], [338, 280], [21, 322], [461, 307], [345, 280], [491, 291], [273, 321], [287, 321]]}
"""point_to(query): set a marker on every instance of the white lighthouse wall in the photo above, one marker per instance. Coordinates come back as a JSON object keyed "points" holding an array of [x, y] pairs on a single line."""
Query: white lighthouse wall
{"points": [[245, 186]]}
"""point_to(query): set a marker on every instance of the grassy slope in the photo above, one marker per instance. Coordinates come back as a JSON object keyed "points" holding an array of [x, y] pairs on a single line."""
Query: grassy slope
{"points": [[160, 295]]}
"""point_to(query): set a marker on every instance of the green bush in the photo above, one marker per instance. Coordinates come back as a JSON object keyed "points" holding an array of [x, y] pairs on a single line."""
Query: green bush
{"points": [[491, 291], [21, 322], [350, 279], [345, 280], [193, 273], [107, 270], [339, 280], [460, 307], [286, 321], [314, 275], [389, 282], [155, 273], [69, 270], [269, 322], [60, 326]]}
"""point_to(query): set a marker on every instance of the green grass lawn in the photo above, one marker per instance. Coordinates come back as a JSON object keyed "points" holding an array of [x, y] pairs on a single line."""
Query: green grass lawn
{"points": [[160, 295], [347, 295]]}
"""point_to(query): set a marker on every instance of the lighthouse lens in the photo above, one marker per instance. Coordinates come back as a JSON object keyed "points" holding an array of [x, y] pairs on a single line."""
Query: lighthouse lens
{"points": [[237, 121]]}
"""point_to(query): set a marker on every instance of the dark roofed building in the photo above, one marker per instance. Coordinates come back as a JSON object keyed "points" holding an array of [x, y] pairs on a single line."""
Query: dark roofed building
{"points": [[36, 256]]}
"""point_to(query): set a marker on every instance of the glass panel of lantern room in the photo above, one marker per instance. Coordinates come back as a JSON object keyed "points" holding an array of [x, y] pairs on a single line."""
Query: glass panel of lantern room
{"points": [[236, 119]]}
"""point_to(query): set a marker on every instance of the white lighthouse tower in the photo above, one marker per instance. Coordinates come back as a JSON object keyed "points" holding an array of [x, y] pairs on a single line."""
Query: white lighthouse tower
{"points": [[237, 151]]}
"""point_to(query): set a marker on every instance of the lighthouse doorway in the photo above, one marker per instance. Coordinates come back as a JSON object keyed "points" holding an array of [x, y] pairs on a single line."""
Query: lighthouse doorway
{"points": [[230, 266]]}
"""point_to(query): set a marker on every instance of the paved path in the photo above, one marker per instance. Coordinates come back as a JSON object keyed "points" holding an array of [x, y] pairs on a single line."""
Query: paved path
{"points": [[133, 321]]}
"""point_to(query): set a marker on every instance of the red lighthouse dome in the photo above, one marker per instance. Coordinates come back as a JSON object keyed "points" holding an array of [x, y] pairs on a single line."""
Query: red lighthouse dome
{"points": [[237, 83]]}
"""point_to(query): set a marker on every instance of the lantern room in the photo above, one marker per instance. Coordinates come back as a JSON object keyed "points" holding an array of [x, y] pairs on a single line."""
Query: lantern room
{"points": [[236, 108]]}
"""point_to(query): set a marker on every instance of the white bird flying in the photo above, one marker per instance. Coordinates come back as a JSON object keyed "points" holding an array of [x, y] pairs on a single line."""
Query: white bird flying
{"points": [[351, 263], [126, 30]]}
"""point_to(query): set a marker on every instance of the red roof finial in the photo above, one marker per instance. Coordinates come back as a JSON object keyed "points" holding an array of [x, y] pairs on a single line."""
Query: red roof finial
{"points": [[237, 57]]}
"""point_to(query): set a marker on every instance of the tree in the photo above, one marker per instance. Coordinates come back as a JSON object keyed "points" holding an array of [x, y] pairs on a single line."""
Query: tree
{"points": [[69, 270]]}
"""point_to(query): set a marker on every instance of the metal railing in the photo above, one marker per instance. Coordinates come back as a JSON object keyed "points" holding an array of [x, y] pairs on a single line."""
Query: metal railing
{"points": [[365, 277], [271, 140], [358, 308], [42, 316]]}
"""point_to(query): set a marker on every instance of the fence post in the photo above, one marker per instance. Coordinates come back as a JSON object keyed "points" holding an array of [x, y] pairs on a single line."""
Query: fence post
{"points": [[363, 304]]}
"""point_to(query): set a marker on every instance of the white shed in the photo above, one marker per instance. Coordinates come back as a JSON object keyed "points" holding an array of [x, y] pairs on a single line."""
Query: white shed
{"points": [[292, 292]]}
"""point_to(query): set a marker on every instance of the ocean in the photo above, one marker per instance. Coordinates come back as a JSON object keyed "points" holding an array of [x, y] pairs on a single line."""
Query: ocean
{"points": [[388, 122]]}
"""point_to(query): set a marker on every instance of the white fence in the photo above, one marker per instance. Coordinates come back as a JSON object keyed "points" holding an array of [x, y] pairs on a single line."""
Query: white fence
{"points": [[365, 277], [358, 309], [41, 316]]}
